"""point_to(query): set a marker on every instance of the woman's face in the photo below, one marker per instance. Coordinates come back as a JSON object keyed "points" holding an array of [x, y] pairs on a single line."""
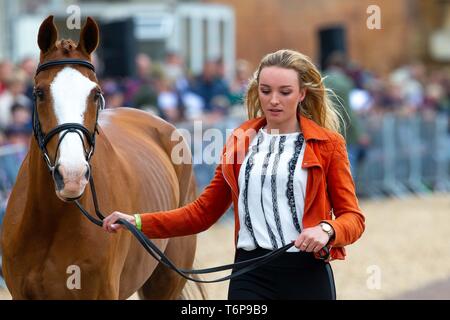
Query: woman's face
{"points": [[279, 94]]}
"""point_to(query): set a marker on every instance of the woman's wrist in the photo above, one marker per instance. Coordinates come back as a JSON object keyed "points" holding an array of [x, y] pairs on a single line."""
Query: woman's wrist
{"points": [[327, 228], [138, 221]]}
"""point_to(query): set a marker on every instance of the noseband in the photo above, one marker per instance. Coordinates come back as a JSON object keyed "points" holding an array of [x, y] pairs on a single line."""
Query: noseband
{"points": [[43, 139]]}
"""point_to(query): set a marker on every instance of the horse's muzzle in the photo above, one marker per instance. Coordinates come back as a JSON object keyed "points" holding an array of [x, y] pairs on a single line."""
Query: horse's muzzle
{"points": [[70, 184]]}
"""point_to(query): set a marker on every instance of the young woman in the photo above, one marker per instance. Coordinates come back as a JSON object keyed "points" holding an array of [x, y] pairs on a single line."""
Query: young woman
{"points": [[287, 173]]}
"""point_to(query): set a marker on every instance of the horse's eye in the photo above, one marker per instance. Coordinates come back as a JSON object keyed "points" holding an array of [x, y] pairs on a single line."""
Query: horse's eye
{"points": [[38, 93], [97, 95]]}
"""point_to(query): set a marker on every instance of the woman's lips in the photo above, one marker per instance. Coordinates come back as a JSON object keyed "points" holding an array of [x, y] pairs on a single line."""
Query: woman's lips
{"points": [[275, 111]]}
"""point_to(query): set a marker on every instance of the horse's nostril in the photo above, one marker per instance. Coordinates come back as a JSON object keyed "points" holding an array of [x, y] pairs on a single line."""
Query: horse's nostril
{"points": [[88, 173], [58, 178]]}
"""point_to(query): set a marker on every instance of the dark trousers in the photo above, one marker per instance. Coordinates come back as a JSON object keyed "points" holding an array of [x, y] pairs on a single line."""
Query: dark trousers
{"points": [[291, 276]]}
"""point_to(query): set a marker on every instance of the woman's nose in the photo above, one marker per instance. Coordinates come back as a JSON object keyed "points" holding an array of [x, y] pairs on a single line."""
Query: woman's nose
{"points": [[274, 99]]}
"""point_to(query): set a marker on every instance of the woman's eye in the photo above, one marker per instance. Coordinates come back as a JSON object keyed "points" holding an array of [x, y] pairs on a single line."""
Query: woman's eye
{"points": [[265, 91], [285, 93]]}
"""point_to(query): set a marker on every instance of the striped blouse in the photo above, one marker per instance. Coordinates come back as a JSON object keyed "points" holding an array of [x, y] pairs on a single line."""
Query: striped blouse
{"points": [[272, 188]]}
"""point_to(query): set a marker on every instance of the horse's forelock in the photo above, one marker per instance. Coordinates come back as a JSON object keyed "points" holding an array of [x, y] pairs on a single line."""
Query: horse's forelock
{"points": [[64, 49], [66, 46]]}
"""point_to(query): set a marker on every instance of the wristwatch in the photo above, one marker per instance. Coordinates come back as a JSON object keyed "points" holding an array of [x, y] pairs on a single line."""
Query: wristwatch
{"points": [[327, 228]]}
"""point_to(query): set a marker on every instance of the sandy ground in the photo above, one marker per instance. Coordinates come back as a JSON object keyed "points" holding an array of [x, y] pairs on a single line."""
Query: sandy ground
{"points": [[405, 248], [404, 252]]}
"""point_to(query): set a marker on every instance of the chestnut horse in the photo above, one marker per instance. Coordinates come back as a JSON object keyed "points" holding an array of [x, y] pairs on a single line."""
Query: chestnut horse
{"points": [[47, 242]]}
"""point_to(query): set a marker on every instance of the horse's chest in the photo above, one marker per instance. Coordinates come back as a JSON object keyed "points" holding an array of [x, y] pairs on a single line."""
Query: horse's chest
{"points": [[32, 282], [48, 282], [34, 286]]}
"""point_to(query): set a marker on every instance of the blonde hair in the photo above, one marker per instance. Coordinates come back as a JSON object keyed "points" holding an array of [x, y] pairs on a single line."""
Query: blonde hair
{"points": [[317, 104]]}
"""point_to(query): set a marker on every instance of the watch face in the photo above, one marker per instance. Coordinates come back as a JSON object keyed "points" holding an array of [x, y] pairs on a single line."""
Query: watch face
{"points": [[326, 227]]}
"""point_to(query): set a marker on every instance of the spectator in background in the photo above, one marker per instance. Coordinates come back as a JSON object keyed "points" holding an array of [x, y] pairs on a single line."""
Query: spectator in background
{"points": [[358, 74], [14, 148], [29, 65], [169, 102], [140, 91], [193, 106], [211, 86], [176, 100], [114, 94], [6, 71], [436, 96], [21, 116], [15, 93], [391, 97], [409, 81], [18, 137], [337, 80], [220, 68], [240, 82], [174, 71]]}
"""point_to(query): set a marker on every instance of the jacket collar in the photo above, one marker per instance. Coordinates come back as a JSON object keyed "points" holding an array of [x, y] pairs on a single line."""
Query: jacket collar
{"points": [[237, 148], [310, 129]]}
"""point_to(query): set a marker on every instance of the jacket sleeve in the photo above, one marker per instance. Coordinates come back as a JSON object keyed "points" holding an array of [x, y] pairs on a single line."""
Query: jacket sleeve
{"points": [[349, 222], [194, 217]]}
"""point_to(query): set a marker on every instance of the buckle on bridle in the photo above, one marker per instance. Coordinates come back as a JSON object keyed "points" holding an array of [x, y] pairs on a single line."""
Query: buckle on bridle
{"points": [[51, 167]]}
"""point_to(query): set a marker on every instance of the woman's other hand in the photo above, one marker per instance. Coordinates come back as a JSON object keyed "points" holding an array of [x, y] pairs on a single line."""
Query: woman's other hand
{"points": [[312, 239]]}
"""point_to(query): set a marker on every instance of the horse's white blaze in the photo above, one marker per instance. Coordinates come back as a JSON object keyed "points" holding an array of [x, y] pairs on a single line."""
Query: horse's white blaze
{"points": [[70, 90]]}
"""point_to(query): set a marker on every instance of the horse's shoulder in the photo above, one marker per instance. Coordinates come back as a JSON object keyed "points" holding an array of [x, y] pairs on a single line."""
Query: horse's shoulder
{"points": [[136, 126], [143, 125], [133, 119]]}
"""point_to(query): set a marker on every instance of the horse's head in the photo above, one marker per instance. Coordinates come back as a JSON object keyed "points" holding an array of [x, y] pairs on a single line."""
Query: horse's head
{"points": [[67, 101]]}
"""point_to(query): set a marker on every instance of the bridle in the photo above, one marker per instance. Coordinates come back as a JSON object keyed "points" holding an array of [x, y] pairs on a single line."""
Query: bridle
{"points": [[43, 139]]}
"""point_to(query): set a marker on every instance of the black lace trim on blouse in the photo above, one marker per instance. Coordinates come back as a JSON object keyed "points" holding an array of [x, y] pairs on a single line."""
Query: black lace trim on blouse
{"points": [[248, 168], [273, 183], [290, 183], [263, 178]]}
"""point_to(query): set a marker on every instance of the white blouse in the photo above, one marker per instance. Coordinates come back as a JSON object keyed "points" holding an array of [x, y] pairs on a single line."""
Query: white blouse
{"points": [[272, 187]]}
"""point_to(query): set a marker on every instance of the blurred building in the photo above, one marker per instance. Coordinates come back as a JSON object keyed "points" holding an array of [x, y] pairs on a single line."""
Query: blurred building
{"points": [[196, 31], [208, 29], [410, 29]]}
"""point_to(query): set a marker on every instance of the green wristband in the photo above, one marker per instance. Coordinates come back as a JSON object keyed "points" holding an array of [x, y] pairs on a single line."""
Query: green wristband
{"points": [[138, 221]]}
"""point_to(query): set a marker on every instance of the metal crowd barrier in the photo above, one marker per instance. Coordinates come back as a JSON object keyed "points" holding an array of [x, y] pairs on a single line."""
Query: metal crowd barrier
{"points": [[407, 155]]}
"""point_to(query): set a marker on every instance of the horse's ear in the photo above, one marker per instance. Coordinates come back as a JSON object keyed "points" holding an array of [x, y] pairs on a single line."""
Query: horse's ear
{"points": [[88, 37], [48, 34]]}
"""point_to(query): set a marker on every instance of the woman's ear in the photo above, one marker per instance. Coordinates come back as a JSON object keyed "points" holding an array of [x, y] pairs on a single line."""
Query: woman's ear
{"points": [[302, 95]]}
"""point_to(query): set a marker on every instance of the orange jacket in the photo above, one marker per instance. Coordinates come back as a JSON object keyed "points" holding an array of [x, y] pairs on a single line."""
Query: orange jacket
{"points": [[329, 190]]}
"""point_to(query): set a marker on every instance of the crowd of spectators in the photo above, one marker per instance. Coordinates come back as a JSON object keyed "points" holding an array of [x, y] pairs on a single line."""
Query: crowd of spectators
{"points": [[170, 91]]}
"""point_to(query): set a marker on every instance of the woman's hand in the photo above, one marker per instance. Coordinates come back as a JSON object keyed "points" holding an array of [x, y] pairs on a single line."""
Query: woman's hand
{"points": [[312, 239], [110, 225]]}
